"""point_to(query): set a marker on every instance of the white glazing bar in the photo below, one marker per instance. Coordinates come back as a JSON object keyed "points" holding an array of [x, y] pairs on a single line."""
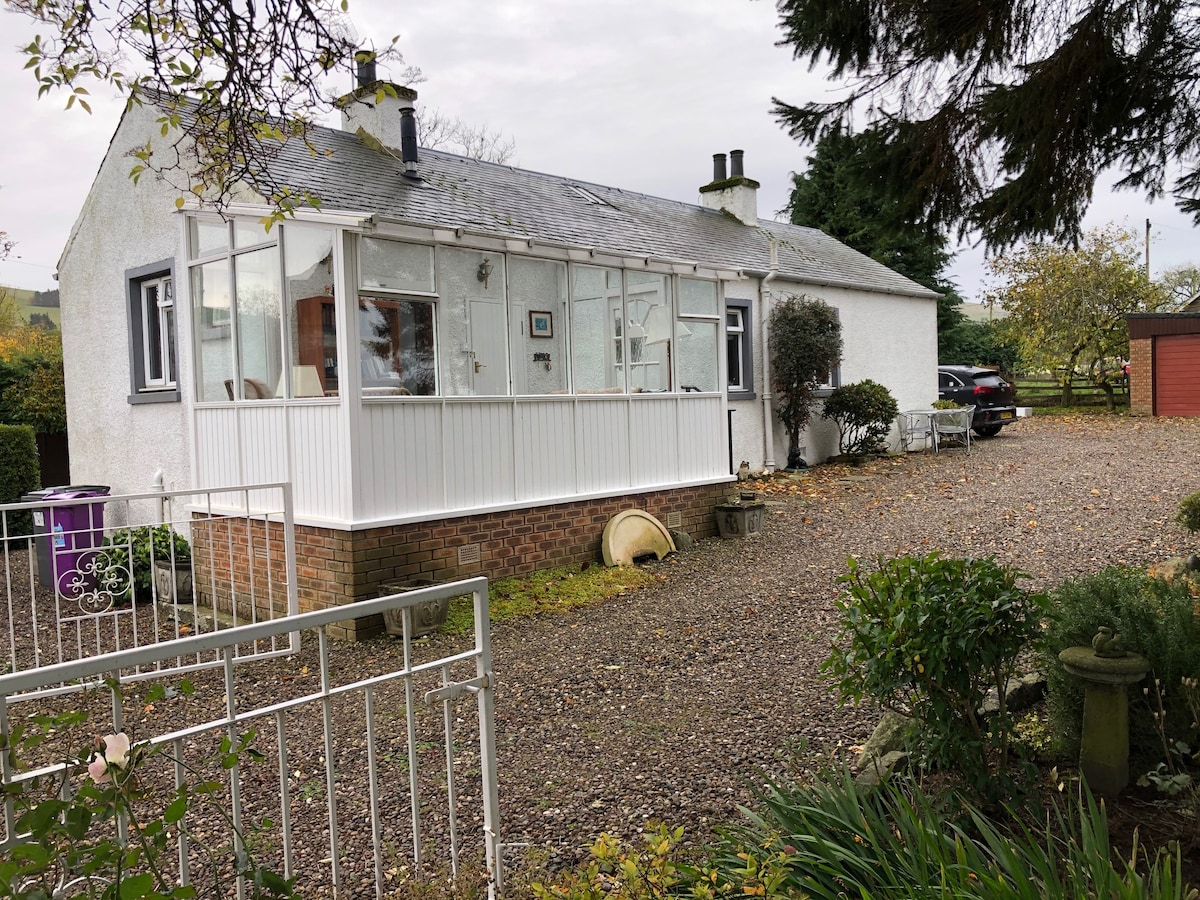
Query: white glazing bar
{"points": [[487, 742], [330, 774], [451, 797], [373, 790], [235, 776], [185, 871], [285, 794], [410, 717]]}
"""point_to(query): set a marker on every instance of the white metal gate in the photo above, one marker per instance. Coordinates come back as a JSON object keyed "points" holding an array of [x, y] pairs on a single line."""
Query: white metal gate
{"points": [[369, 746]]}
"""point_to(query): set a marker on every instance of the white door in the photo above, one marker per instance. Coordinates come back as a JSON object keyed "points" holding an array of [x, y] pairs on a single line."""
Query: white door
{"points": [[489, 370]]}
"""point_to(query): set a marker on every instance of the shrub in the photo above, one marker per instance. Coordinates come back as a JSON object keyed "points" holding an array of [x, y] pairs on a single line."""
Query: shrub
{"points": [[1189, 512], [128, 556], [927, 637], [1157, 620], [806, 344], [19, 474], [864, 413]]}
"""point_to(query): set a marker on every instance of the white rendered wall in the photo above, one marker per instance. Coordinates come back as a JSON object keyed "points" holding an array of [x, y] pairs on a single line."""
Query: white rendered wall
{"points": [[888, 338], [121, 226]]}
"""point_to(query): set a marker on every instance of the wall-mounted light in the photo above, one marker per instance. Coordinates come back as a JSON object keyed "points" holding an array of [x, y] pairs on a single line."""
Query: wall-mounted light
{"points": [[485, 271]]}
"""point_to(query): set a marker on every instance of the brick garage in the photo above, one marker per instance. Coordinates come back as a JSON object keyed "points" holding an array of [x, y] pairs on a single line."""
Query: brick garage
{"points": [[1164, 364], [336, 567]]}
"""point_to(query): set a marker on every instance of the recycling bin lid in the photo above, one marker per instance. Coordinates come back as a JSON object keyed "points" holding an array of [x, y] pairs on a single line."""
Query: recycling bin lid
{"points": [[75, 493]]}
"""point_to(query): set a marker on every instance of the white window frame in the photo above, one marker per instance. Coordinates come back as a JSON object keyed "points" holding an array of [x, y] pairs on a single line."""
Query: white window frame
{"points": [[739, 335], [162, 306]]}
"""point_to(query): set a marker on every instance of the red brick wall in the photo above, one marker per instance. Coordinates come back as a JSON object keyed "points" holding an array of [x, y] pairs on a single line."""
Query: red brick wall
{"points": [[334, 567], [1141, 377]]}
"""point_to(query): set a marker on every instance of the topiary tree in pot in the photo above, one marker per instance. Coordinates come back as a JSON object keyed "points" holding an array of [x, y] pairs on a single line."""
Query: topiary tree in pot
{"points": [[805, 346]]}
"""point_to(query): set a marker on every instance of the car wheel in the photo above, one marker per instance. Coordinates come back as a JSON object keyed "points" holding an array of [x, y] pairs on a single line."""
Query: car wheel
{"points": [[986, 431]]}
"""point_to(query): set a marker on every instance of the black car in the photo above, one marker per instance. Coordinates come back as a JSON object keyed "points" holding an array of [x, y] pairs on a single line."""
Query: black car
{"points": [[992, 396]]}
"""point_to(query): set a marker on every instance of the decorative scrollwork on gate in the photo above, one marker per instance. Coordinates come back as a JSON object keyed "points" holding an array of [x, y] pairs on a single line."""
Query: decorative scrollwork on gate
{"points": [[97, 584]]}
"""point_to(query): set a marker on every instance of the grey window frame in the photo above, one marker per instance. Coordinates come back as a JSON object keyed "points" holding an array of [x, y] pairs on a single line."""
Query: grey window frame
{"points": [[135, 278], [745, 349]]}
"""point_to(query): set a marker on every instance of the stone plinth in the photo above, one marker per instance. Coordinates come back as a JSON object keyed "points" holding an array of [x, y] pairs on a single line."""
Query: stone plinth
{"points": [[1104, 748]]}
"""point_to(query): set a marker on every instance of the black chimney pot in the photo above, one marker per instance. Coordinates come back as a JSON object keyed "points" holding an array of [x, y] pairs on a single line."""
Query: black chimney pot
{"points": [[365, 68], [719, 167], [408, 139], [735, 164]]}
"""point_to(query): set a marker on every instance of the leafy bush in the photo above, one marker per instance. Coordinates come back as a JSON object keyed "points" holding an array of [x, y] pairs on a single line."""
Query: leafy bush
{"points": [[806, 344], [927, 637], [838, 839], [946, 404], [1157, 620], [1189, 512], [128, 556], [864, 413], [19, 474]]}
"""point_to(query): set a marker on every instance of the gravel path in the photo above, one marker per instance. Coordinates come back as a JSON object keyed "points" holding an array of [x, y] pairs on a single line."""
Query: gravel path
{"points": [[665, 702]]}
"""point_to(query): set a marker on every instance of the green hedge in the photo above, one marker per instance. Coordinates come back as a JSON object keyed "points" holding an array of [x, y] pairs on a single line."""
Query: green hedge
{"points": [[19, 473]]}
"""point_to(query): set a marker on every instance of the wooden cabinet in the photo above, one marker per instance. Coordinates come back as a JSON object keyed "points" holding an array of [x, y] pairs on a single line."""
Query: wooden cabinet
{"points": [[317, 339]]}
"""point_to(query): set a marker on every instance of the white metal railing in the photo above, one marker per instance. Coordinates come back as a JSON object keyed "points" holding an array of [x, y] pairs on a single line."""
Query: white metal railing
{"points": [[366, 744], [96, 574]]}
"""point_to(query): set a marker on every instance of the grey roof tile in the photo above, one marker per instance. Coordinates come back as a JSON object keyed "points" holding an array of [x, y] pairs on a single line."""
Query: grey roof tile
{"points": [[456, 191]]}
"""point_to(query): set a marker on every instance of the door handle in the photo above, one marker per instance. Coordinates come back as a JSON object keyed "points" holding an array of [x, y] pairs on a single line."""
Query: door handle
{"points": [[478, 366]]}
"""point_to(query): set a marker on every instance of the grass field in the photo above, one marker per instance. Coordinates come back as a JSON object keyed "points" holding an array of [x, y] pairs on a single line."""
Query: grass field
{"points": [[23, 298]]}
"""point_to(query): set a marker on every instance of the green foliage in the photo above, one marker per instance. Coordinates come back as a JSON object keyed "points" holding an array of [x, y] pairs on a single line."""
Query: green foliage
{"points": [[1189, 512], [836, 839], [31, 379], [805, 346], [864, 412], [127, 558], [927, 637], [622, 871], [547, 592], [19, 474], [68, 817], [838, 194], [998, 117], [973, 343], [946, 404], [1067, 307], [229, 82], [1156, 618]]}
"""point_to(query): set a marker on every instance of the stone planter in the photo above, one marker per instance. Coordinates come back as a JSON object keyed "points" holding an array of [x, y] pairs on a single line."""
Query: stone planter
{"points": [[173, 586], [427, 616], [742, 517]]}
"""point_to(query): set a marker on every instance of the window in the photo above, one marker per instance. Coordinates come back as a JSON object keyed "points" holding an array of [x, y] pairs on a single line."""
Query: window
{"points": [[152, 333], [739, 363], [697, 332], [396, 334]]}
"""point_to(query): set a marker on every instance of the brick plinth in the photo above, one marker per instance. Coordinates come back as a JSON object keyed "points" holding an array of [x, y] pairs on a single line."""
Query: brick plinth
{"points": [[335, 567], [1141, 377]]}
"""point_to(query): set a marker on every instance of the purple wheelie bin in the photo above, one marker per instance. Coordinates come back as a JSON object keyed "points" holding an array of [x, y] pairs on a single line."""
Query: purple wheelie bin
{"points": [[75, 533]]}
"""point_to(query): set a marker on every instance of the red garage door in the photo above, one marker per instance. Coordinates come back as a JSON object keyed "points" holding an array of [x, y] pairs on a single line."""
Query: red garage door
{"points": [[1177, 375]]}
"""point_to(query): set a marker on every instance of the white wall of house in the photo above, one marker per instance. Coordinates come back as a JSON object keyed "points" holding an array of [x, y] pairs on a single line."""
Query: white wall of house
{"points": [[889, 338], [122, 226]]}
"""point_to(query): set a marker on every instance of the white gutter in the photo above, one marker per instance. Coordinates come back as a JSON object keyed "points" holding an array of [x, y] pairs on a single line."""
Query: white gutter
{"points": [[768, 410]]}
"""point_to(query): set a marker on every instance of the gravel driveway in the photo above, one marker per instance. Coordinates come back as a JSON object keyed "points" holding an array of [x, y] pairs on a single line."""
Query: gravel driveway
{"points": [[662, 704], [665, 702]]}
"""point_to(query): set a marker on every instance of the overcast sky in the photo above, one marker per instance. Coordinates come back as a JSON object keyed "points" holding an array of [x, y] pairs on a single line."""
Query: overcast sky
{"points": [[636, 94]]}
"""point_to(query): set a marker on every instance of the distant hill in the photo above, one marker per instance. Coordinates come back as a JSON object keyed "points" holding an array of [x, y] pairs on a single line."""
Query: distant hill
{"points": [[36, 303]]}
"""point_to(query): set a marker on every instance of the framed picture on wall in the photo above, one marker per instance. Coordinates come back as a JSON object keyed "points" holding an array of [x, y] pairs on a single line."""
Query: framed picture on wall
{"points": [[541, 323]]}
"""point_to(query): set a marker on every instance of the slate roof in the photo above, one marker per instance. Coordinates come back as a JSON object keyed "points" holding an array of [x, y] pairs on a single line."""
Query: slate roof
{"points": [[456, 191]]}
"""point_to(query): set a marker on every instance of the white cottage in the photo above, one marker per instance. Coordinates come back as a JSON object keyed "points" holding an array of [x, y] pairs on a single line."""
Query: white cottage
{"points": [[461, 367]]}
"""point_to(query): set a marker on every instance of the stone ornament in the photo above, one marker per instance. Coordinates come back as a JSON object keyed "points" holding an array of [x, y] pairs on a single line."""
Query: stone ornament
{"points": [[1108, 645]]}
